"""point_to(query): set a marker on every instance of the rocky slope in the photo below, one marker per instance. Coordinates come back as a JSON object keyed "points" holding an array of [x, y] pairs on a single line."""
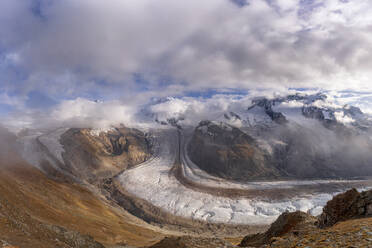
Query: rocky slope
{"points": [[37, 211], [348, 205], [194, 242], [345, 222], [225, 151], [297, 136], [350, 233], [287, 222], [91, 155]]}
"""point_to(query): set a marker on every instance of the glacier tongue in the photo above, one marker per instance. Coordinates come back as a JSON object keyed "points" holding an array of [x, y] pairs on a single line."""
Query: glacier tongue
{"points": [[152, 182]]}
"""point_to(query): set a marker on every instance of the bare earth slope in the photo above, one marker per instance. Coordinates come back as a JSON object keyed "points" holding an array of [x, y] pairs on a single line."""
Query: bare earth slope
{"points": [[91, 156], [33, 208]]}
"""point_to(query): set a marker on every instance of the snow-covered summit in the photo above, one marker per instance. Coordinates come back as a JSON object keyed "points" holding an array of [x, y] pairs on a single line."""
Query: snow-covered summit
{"points": [[257, 112], [297, 108]]}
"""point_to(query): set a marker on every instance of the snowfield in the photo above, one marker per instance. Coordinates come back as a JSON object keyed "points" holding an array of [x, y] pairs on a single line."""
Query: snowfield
{"points": [[152, 182]]}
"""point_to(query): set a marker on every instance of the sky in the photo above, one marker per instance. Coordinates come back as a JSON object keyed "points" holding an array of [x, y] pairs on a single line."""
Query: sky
{"points": [[57, 57]]}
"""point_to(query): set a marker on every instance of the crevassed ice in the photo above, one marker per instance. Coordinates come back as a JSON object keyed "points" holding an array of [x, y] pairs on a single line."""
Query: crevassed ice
{"points": [[151, 182]]}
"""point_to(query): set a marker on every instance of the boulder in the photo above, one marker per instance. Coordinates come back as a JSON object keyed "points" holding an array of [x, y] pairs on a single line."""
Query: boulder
{"points": [[286, 223], [348, 205]]}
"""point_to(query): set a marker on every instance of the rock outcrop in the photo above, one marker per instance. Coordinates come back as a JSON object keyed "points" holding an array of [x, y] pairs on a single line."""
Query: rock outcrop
{"points": [[348, 205], [347, 218], [191, 242], [350, 233], [91, 156], [286, 223], [267, 105]]}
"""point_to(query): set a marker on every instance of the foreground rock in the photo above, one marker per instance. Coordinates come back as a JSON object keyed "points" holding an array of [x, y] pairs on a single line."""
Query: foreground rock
{"points": [[191, 242], [350, 233], [343, 223], [286, 223], [348, 205]]}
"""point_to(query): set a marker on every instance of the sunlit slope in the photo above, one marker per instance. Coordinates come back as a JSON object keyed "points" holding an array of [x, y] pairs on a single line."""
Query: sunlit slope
{"points": [[28, 199]]}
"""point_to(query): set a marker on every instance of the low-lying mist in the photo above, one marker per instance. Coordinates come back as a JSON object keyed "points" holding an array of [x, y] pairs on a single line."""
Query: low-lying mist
{"points": [[317, 149]]}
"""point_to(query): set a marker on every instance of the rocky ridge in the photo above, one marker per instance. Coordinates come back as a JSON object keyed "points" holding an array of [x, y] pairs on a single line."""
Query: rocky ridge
{"points": [[348, 205], [298, 136], [345, 222], [225, 151], [92, 155]]}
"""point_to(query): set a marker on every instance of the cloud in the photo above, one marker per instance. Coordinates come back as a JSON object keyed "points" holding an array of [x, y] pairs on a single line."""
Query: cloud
{"points": [[56, 57], [82, 112], [86, 113], [79, 112], [188, 45]]}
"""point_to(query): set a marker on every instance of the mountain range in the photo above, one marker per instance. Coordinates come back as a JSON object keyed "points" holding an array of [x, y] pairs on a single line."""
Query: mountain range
{"points": [[214, 179]]}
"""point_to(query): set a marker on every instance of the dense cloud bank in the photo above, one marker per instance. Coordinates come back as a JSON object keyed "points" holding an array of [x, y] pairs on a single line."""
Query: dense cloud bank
{"points": [[73, 47], [58, 56]]}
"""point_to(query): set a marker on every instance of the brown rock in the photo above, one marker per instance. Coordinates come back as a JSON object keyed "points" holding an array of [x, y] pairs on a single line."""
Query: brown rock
{"points": [[369, 209], [191, 242], [286, 223], [93, 157], [348, 205]]}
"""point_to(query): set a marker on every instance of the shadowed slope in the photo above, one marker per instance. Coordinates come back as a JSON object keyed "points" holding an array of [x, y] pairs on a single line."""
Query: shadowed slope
{"points": [[225, 151]]}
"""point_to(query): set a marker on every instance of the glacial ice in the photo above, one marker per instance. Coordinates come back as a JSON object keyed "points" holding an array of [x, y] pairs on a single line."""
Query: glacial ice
{"points": [[152, 182]]}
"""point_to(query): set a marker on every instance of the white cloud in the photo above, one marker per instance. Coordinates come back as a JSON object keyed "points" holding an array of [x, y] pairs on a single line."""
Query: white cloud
{"points": [[82, 112], [86, 113], [79, 112], [88, 48], [195, 109], [11, 101], [340, 117], [195, 44]]}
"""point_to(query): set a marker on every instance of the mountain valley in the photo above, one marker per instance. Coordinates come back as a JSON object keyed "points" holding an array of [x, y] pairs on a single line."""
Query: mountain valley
{"points": [[215, 181]]}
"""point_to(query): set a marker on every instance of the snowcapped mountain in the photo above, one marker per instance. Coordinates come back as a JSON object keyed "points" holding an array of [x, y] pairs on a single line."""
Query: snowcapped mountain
{"points": [[257, 112], [163, 111], [298, 108], [298, 136], [213, 171]]}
